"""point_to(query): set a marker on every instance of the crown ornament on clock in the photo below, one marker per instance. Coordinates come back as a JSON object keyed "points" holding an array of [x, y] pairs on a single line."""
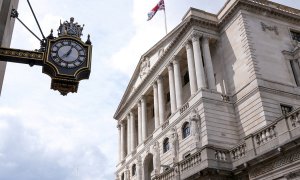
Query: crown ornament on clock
{"points": [[70, 28]]}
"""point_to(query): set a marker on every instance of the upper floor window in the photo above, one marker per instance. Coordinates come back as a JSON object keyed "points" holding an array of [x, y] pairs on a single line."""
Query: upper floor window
{"points": [[186, 130], [295, 35], [133, 170], [166, 145], [285, 109]]}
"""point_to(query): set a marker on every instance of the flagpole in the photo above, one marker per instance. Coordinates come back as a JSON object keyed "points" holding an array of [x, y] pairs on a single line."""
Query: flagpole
{"points": [[165, 21]]}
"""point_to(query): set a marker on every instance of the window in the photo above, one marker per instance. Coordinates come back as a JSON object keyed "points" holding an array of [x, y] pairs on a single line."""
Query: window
{"points": [[186, 78], [296, 70], [166, 145], [295, 36], [133, 170], [186, 156], [285, 109], [186, 130]]}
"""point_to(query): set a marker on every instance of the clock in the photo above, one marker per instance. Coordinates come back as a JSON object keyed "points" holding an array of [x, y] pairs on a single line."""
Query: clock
{"points": [[68, 53]]}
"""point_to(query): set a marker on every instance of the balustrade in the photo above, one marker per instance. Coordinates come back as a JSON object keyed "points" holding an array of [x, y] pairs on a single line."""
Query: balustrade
{"points": [[190, 162], [295, 119], [265, 135], [238, 152], [167, 175], [220, 155]]}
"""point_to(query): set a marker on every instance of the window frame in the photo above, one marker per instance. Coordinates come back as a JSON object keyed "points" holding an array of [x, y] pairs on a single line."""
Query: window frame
{"points": [[186, 126], [166, 145]]}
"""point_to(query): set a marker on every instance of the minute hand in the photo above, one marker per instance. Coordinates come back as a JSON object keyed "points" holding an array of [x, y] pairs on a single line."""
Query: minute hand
{"points": [[68, 53]]}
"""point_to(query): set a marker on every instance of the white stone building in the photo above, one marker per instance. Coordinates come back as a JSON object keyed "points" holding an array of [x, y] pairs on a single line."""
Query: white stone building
{"points": [[217, 98], [6, 29]]}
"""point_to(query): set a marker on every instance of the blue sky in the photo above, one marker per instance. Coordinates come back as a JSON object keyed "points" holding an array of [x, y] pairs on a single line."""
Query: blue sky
{"points": [[44, 135]]}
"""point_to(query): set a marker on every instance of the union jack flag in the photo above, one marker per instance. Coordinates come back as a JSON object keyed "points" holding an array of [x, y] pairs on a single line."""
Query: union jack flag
{"points": [[159, 6]]}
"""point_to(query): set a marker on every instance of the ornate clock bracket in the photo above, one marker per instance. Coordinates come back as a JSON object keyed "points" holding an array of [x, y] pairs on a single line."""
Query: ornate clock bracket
{"points": [[66, 58]]}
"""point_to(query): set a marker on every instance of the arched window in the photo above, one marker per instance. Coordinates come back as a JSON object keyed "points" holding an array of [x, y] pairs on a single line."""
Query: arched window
{"points": [[166, 145], [186, 130], [133, 170]]}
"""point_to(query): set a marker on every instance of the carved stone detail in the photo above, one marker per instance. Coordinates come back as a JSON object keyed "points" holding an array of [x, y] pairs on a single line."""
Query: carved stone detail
{"points": [[175, 144], [156, 159], [270, 28], [145, 67]]}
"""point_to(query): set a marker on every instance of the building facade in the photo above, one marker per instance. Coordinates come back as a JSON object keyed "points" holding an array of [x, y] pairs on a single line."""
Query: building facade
{"points": [[6, 29], [217, 98]]}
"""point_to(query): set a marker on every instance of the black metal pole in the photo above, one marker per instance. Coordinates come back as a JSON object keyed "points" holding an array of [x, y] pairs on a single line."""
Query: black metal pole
{"points": [[36, 19], [29, 29]]}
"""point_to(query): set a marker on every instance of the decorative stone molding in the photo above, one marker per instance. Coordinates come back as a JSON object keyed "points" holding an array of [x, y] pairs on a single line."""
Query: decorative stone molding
{"points": [[156, 159], [161, 52], [144, 67], [270, 28], [175, 144]]}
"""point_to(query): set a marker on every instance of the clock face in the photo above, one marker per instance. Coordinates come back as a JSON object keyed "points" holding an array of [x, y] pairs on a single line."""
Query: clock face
{"points": [[68, 53]]}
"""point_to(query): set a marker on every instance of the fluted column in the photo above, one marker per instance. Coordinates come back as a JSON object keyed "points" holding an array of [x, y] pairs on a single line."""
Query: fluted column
{"points": [[120, 145], [208, 63], [296, 70], [144, 117], [122, 140], [156, 111], [178, 83], [161, 99], [172, 88], [140, 136], [128, 135], [191, 67], [133, 131], [201, 83]]}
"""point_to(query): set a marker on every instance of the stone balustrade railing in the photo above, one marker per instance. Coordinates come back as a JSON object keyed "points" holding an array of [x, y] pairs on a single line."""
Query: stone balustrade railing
{"points": [[190, 162], [167, 175], [295, 119], [265, 135], [220, 155], [238, 151]]}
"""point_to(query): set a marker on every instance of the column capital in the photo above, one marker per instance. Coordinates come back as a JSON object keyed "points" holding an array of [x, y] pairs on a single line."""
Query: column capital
{"points": [[170, 67], [131, 114], [175, 59], [195, 36], [188, 45], [159, 79], [143, 98], [154, 84]]}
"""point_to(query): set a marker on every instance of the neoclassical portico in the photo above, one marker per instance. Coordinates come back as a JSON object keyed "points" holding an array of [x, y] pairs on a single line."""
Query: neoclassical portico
{"points": [[197, 51]]}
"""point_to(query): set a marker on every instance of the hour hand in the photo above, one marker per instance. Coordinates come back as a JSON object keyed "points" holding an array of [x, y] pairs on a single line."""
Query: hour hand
{"points": [[68, 53]]}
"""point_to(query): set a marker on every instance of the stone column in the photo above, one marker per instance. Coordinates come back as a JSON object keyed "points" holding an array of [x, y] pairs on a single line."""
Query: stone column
{"points": [[208, 63], [178, 83], [161, 99], [122, 140], [133, 131], [128, 135], [201, 83], [155, 99], [191, 67], [120, 145], [139, 168], [144, 117], [172, 88], [140, 123], [296, 70]]}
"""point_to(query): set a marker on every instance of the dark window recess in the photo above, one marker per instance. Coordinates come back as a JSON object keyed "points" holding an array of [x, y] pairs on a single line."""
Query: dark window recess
{"points": [[133, 170], [168, 97], [122, 177], [285, 109], [186, 156], [166, 145], [186, 130], [186, 78], [295, 68], [295, 36]]}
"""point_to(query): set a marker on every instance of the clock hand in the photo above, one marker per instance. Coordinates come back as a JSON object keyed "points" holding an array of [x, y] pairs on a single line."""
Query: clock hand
{"points": [[68, 53]]}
